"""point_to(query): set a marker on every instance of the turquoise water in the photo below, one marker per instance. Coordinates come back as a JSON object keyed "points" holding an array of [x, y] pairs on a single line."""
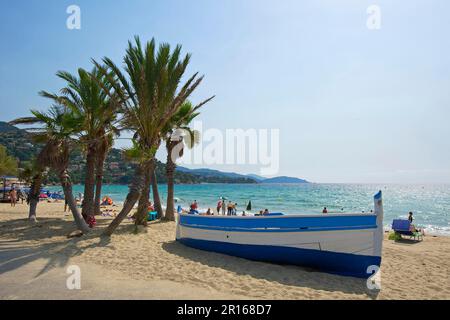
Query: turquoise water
{"points": [[429, 203]]}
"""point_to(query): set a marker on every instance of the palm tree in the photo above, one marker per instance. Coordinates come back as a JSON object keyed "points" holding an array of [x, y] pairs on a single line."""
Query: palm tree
{"points": [[178, 123], [89, 97], [152, 97], [58, 127], [155, 191], [175, 147], [104, 147], [149, 179], [33, 174]]}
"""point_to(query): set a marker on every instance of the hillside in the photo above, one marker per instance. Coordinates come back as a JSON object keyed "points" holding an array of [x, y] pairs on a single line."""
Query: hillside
{"points": [[117, 170], [210, 173], [284, 179]]}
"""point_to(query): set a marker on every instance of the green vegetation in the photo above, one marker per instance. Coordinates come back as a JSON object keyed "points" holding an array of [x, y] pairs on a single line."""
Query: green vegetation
{"points": [[117, 169], [8, 164]]}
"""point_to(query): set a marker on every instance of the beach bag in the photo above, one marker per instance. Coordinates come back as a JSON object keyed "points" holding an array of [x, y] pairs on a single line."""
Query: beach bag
{"points": [[91, 221]]}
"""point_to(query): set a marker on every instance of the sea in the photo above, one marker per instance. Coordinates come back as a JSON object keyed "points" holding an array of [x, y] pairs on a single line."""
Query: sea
{"points": [[430, 204]]}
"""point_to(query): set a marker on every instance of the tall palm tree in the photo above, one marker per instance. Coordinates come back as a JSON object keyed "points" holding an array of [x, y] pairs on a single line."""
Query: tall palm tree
{"points": [[33, 174], [149, 179], [90, 98], [153, 96], [175, 147], [179, 122], [104, 147], [155, 191], [57, 129]]}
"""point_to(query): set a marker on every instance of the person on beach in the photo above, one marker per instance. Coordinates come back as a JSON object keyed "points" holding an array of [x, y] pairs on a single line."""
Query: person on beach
{"points": [[410, 217], [20, 195], [266, 212], [194, 207], [13, 197], [325, 210], [223, 207], [208, 213], [235, 209], [219, 206], [229, 209]]}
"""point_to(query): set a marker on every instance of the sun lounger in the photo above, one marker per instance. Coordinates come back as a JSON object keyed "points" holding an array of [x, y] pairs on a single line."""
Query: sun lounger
{"points": [[405, 228]]}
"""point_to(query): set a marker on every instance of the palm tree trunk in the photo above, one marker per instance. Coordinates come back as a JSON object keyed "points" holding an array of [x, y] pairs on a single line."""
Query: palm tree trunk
{"points": [[67, 188], [170, 170], [133, 196], [98, 183], [156, 198], [89, 183], [33, 196], [141, 215]]}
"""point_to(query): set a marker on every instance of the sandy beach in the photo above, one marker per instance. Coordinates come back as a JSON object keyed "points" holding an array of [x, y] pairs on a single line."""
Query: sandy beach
{"points": [[34, 259]]}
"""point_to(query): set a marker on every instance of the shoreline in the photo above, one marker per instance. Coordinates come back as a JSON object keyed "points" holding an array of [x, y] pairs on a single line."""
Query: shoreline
{"points": [[147, 265]]}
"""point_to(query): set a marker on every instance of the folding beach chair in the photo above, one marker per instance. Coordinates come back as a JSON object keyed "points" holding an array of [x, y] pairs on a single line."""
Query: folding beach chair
{"points": [[404, 228]]}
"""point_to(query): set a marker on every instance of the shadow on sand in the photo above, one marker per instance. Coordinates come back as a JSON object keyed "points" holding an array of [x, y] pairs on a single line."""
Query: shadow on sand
{"points": [[29, 242], [284, 274]]}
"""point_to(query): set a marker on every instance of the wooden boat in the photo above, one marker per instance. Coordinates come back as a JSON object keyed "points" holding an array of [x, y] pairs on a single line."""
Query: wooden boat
{"points": [[347, 244]]}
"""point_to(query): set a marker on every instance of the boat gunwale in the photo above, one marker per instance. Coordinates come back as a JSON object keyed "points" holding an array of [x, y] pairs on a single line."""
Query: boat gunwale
{"points": [[301, 229], [284, 216]]}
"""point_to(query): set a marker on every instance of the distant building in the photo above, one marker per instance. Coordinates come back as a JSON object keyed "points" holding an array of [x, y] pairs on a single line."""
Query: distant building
{"points": [[114, 165]]}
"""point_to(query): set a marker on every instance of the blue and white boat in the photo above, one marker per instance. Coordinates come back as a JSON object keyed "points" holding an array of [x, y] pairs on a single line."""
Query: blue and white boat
{"points": [[347, 244]]}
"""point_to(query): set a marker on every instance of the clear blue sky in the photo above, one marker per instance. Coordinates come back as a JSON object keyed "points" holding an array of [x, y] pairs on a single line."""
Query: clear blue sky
{"points": [[352, 104]]}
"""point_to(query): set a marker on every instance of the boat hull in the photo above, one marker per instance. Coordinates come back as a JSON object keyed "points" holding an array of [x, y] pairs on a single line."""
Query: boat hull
{"points": [[345, 264], [344, 244]]}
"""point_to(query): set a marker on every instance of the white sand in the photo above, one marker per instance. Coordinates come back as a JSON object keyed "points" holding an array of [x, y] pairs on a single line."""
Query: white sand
{"points": [[153, 265]]}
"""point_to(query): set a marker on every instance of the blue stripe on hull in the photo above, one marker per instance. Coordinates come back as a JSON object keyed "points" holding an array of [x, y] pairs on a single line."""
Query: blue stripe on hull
{"points": [[331, 262], [281, 222]]}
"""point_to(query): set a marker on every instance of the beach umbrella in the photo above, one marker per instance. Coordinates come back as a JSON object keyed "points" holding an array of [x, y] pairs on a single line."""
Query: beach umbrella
{"points": [[249, 206]]}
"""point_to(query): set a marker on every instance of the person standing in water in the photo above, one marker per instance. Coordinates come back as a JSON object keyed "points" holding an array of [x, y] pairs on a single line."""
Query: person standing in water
{"points": [[325, 210], [229, 209], [223, 207], [410, 217], [219, 206]]}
